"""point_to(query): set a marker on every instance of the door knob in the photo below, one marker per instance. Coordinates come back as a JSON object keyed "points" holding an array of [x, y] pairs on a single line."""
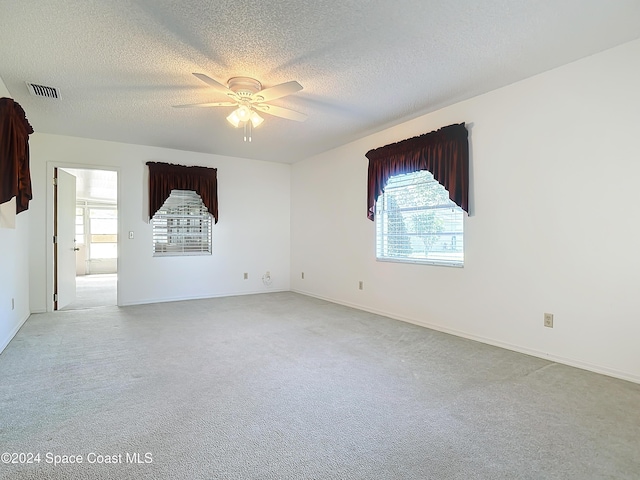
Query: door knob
{"points": [[75, 249]]}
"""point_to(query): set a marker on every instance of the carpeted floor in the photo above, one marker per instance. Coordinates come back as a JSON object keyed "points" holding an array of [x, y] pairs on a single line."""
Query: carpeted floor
{"points": [[283, 386], [97, 290]]}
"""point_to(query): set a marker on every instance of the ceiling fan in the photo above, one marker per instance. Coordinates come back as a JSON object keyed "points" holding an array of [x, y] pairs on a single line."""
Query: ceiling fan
{"points": [[249, 98]]}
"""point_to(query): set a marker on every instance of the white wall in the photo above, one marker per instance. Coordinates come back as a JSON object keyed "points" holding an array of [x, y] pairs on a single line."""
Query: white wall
{"points": [[14, 266], [554, 225], [14, 276], [252, 234]]}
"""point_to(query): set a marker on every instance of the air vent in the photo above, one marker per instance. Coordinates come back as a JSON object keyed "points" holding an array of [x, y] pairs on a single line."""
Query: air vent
{"points": [[42, 91]]}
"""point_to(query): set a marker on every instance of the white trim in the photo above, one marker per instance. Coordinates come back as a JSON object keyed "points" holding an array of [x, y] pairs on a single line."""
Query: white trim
{"points": [[433, 263], [496, 343]]}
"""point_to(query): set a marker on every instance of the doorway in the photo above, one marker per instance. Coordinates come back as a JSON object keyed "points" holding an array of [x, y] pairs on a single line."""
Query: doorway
{"points": [[88, 277]]}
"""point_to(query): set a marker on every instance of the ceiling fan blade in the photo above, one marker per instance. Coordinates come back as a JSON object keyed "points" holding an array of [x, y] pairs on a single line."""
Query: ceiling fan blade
{"points": [[212, 83], [282, 112], [211, 104], [277, 91]]}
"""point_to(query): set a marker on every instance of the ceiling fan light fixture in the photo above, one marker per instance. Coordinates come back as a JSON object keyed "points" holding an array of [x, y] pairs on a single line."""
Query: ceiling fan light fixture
{"points": [[255, 119], [244, 113], [233, 119]]}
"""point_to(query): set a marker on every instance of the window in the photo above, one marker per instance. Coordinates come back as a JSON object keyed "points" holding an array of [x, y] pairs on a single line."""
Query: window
{"points": [[97, 234], [182, 226], [417, 222], [103, 230], [80, 225]]}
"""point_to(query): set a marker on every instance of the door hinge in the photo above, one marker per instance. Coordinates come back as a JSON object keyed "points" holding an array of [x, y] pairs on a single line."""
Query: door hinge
{"points": [[55, 297], [55, 181], [55, 239]]}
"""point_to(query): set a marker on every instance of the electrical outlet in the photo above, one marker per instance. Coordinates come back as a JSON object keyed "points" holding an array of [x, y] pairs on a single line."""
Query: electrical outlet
{"points": [[130, 235], [548, 320], [246, 275], [360, 285], [302, 275]]}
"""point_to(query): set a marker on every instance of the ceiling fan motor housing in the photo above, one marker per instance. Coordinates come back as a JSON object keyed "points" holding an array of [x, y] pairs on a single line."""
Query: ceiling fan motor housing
{"points": [[244, 86]]}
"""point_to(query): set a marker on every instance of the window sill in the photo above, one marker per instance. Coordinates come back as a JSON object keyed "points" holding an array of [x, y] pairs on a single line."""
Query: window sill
{"points": [[421, 262]]}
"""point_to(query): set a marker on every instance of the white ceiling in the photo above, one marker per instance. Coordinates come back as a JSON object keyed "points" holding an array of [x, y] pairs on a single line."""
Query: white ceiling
{"points": [[95, 185], [120, 65]]}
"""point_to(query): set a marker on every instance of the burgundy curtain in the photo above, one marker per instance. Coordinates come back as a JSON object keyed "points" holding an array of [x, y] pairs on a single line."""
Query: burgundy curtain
{"points": [[444, 153], [15, 177], [164, 177]]}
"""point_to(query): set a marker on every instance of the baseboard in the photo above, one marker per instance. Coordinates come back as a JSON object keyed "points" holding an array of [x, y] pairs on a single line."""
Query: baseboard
{"points": [[200, 297], [496, 343], [7, 341]]}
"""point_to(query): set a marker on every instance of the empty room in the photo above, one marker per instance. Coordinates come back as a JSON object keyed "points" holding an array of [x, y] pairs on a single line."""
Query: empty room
{"points": [[319, 240]]}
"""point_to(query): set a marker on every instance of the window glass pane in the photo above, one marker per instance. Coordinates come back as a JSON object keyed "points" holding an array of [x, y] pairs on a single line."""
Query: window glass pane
{"points": [[104, 238], [103, 250], [79, 225], [79, 233], [99, 225], [103, 221], [103, 213], [417, 222]]}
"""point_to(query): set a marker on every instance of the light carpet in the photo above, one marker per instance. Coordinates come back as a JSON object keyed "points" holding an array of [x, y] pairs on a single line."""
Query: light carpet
{"points": [[96, 290], [284, 386]]}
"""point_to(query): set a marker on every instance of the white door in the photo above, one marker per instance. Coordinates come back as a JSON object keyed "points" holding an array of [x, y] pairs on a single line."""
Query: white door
{"points": [[65, 247]]}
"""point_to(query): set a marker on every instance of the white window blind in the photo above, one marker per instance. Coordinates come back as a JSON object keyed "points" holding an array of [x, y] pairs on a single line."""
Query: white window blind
{"points": [[182, 226], [417, 222]]}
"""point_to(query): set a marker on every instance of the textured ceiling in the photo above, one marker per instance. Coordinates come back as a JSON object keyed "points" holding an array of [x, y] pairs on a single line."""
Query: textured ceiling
{"points": [[120, 65], [95, 185]]}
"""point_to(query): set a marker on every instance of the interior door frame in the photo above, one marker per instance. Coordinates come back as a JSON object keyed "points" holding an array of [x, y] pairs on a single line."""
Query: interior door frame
{"points": [[50, 272]]}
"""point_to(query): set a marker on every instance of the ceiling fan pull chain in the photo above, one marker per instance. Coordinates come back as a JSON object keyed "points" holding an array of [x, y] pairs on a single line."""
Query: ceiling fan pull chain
{"points": [[245, 132]]}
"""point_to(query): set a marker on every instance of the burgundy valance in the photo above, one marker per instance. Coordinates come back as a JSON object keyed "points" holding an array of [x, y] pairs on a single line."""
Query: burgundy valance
{"points": [[444, 153], [164, 177], [15, 177]]}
